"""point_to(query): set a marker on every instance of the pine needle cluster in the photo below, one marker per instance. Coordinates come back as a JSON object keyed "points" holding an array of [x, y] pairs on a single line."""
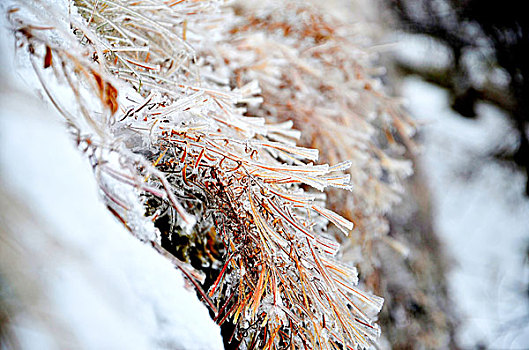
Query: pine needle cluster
{"points": [[184, 110]]}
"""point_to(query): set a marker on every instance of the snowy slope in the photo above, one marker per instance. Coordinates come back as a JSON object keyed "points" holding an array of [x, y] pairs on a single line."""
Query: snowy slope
{"points": [[73, 276]]}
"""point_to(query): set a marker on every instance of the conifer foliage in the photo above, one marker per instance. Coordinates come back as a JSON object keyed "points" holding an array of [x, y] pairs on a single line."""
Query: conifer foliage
{"points": [[165, 100]]}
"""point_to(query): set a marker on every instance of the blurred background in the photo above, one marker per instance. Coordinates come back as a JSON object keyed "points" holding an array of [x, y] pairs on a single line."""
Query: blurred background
{"points": [[463, 67]]}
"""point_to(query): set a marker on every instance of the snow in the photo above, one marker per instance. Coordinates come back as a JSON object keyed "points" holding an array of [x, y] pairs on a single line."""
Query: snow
{"points": [[421, 51], [480, 214], [81, 279]]}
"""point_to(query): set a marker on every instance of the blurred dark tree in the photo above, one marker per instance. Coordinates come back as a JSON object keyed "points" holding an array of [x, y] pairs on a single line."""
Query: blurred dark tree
{"points": [[494, 32]]}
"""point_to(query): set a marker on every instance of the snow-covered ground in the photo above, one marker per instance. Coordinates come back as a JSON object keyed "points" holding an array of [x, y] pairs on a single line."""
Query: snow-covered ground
{"points": [[71, 274], [480, 214]]}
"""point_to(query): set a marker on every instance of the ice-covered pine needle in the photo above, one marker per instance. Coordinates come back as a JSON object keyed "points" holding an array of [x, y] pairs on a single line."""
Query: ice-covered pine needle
{"points": [[314, 69], [151, 105]]}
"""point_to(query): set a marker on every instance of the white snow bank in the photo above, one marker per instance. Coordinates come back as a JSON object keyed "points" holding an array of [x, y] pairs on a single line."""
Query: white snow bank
{"points": [[79, 278]]}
